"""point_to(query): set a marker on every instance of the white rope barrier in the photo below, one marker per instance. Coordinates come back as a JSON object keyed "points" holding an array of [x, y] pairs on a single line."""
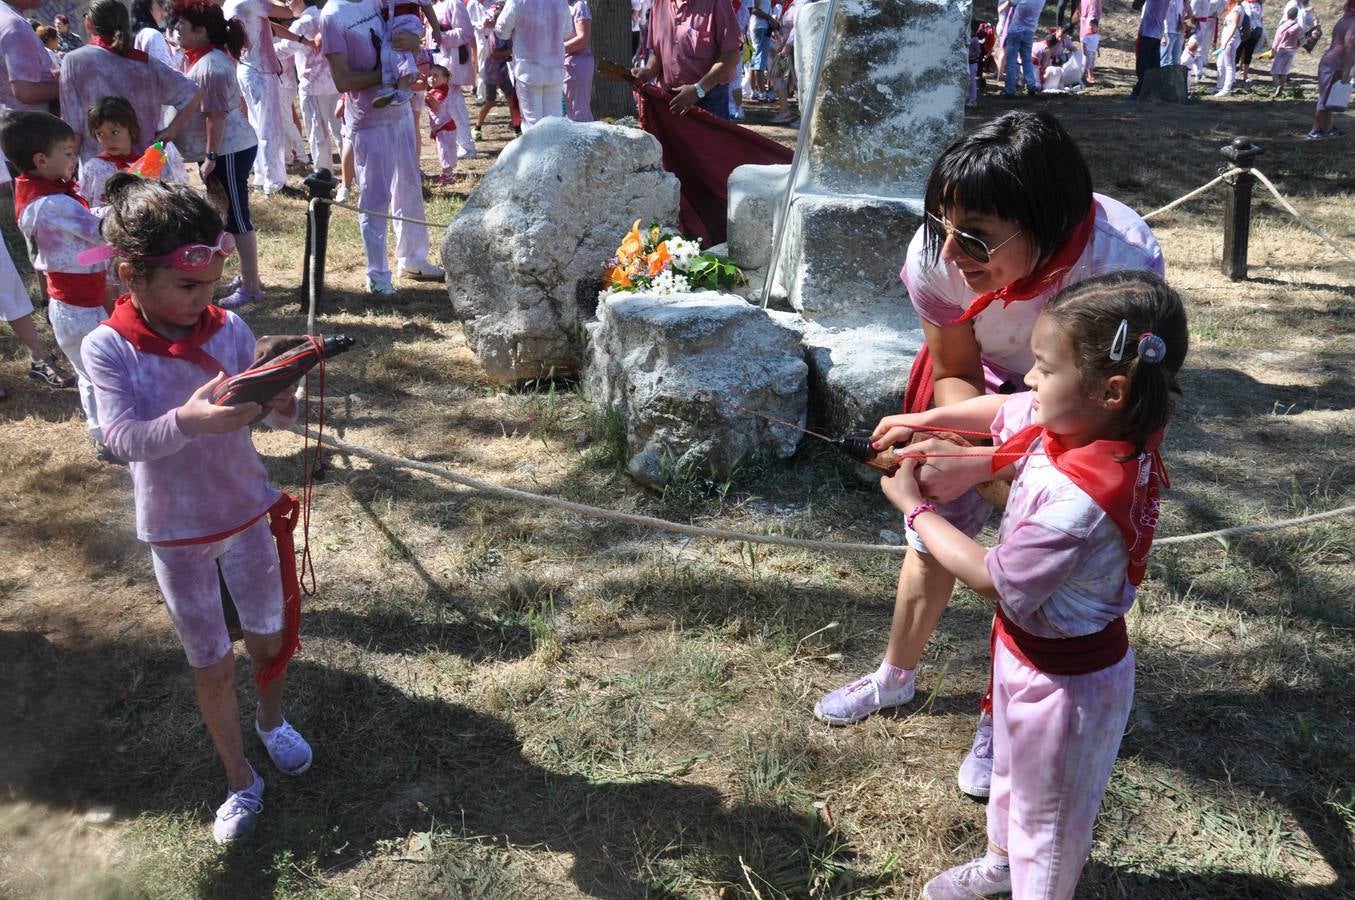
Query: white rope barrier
{"points": [[1285, 204], [724, 534], [373, 212]]}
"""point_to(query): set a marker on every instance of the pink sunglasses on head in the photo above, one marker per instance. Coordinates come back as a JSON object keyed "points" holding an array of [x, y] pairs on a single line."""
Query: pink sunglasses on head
{"points": [[188, 258]]}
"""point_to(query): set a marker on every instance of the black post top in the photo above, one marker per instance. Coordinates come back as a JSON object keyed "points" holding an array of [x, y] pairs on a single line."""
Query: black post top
{"points": [[1241, 152], [320, 183]]}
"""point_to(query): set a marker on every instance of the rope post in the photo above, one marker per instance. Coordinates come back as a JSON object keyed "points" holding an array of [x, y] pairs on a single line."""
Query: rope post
{"points": [[1237, 206], [320, 185]]}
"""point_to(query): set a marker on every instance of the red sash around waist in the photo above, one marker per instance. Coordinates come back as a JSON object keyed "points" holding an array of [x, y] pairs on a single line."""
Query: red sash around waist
{"points": [[1063, 656], [78, 289]]}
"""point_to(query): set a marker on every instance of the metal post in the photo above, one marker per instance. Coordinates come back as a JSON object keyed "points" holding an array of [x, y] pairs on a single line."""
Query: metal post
{"points": [[1237, 206], [320, 186]]}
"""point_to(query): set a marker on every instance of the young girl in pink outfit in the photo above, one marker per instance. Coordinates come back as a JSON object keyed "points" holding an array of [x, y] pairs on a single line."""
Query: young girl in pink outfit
{"points": [[1072, 547], [203, 501], [441, 121]]}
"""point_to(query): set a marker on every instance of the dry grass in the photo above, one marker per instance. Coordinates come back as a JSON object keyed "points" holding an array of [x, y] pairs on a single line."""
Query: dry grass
{"points": [[510, 702]]}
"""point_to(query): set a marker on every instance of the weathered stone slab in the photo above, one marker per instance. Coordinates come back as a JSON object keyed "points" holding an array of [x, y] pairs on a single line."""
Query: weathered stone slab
{"points": [[524, 254], [661, 362], [1167, 83], [755, 197], [891, 93]]}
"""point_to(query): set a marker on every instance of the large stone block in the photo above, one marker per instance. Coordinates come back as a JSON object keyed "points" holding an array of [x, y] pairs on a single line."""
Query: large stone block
{"points": [[1167, 83], [843, 254], [524, 255], [858, 374], [891, 93], [661, 362], [755, 197]]}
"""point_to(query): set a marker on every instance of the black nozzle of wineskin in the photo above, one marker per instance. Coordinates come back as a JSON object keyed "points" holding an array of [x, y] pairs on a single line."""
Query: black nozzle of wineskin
{"points": [[855, 446], [337, 343]]}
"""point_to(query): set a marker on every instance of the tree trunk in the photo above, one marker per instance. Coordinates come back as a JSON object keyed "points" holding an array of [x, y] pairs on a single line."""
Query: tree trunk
{"points": [[611, 41]]}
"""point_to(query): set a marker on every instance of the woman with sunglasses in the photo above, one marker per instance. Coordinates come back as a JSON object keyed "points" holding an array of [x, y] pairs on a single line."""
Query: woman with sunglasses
{"points": [[202, 497], [1010, 220], [221, 139]]}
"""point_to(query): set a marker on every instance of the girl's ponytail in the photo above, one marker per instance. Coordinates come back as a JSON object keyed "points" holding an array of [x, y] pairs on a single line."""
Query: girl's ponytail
{"points": [[234, 38], [112, 24]]}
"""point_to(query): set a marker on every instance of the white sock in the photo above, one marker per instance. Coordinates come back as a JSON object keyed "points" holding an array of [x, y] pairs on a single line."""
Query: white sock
{"points": [[892, 676], [995, 861]]}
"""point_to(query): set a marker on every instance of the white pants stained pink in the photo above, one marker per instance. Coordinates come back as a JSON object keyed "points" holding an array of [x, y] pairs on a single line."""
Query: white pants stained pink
{"points": [[539, 101], [1055, 739], [191, 585], [263, 100], [389, 179], [578, 87]]}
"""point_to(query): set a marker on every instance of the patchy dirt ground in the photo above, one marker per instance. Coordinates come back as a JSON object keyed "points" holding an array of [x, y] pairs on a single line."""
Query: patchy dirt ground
{"points": [[510, 702]]}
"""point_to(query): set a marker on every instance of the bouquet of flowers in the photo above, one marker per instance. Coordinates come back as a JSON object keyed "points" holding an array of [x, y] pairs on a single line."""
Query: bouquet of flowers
{"points": [[658, 260]]}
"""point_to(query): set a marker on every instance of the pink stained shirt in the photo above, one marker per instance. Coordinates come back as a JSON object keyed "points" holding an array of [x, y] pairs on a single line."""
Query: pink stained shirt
{"points": [[1060, 565], [92, 73], [457, 32], [60, 228], [22, 58], [313, 75], [348, 27], [690, 36], [1121, 241], [1090, 9], [538, 30], [258, 51], [184, 487], [214, 73]]}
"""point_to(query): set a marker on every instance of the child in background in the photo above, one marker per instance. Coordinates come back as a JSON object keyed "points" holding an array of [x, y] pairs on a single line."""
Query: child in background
{"points": [[399, 68], [1285, 45], [16, 309], [113, 123], [494, 79], [1071, 549], [59, 225], [200, 489], [1190, 58], [1091, 43], [315, 82], [441, 121]]}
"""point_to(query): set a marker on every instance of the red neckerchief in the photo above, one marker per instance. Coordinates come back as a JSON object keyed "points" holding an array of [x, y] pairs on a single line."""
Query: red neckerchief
{"points": [[137, 55], [191, 57], [121, 160], [126, 321], [1039, 281], [28, 188], [1127, 491]]}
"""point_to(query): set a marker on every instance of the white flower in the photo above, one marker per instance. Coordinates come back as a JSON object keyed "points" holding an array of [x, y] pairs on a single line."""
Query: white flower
{"points": [[668, 282], [683, 252]]}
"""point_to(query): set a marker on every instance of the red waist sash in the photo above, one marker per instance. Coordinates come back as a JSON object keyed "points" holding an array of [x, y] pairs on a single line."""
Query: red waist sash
{"points": [[1080, 655], [77, 289]]}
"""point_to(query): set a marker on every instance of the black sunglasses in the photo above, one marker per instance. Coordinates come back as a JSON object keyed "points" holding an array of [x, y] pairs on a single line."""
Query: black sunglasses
{"points": [[975, 248]]}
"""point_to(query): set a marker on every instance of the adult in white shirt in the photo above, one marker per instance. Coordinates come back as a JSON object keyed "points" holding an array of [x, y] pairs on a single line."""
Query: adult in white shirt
{"points": [[538, 30], [258, 74], [319, 96]]}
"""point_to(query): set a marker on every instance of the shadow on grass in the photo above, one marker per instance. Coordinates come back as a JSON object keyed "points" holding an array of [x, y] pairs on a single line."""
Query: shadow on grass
{"points": [[115, 725]]}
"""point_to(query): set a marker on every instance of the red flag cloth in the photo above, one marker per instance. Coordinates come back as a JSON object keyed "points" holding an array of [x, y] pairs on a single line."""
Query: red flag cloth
{"points": [[126, 321], [282, 519], [28, 188], [1039, 280], [701, 150], [921, 393], [1124, 484]]}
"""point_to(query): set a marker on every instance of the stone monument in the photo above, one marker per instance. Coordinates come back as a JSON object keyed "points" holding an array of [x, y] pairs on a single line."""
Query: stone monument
{"points": [[890, 97]]}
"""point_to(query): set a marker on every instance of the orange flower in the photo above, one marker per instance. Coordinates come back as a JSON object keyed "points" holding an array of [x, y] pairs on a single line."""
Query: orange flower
{"points": [[658, 260], [631, 245], [617, 278]]}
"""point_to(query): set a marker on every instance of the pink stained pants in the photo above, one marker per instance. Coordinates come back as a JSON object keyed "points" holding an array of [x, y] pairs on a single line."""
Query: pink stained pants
{"points": [[446, 142], [263, 101], [578, 87], [1055, 738], [389, 179]]}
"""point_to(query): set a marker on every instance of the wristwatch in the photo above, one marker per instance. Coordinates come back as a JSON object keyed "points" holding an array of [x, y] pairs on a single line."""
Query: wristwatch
{"points": [[211, 154], [700, 91]]}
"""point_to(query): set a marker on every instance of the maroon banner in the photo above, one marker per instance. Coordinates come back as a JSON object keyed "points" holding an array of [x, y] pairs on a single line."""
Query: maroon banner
{"points": [[701, 150]]}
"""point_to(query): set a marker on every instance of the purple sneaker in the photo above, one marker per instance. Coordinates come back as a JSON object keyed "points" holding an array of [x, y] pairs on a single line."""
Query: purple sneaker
{"points": [[237, 816], [976, 772], [854, 702], [239, 297], [973, 879]]}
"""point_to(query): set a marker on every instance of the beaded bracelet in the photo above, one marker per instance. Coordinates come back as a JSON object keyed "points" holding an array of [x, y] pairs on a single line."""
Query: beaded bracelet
{"points": [[917, 511]]}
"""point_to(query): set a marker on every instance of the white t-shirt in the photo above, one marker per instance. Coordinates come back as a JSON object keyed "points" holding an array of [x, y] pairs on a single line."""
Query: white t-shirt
{"points": [[215, 74], [258, 50], [348, 27], [312, 67]]}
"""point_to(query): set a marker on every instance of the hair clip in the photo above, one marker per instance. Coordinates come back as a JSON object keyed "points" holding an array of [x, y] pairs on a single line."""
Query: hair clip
{"points": [[1121, 338], [1152, 349]]}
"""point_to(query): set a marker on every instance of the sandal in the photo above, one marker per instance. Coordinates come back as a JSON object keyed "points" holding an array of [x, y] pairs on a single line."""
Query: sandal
{"points": [[48, 372]]}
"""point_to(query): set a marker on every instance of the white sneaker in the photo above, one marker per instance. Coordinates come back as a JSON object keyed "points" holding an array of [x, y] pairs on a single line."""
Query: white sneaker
{"points": [[976, 772], [286, 748], [341, 194], [972, 880], [237, 816], [420, 270], [401, 98], [385, 96], [862, 698], [380, 285]]}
